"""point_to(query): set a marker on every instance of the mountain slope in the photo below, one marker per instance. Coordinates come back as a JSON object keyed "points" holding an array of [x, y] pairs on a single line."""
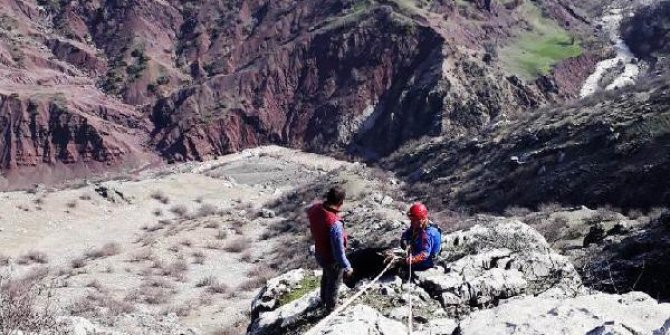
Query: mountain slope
{"points": [[193, 80]]}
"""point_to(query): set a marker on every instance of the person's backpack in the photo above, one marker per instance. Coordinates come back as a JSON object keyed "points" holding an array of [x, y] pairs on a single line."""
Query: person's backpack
{"points": [[435, 233]]}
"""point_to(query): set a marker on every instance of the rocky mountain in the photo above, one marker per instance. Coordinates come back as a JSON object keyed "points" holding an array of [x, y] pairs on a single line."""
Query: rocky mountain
{"points": [[132, 80], [610, 149]]}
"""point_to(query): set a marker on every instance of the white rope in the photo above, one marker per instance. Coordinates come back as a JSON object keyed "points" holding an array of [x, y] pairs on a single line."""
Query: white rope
{"points": [[409, 292], [348, 302]]}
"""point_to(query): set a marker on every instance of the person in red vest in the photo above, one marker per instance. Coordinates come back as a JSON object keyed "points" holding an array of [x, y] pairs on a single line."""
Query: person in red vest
{"points": [[330, 242]]}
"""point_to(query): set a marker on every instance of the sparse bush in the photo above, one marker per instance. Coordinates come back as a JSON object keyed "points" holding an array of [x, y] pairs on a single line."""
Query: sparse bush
{"points": [[246, 257], [214, 245], [20, 308], [176, 269], [157, 212], [71, 204], [95, 284], [516, 211], [206, 281], [85, 197], [221, 235], [142, 255], [160, 197], [550, 207], [186, 243], [33, 257], [199, 257], [179, 210], [237, 245], [4, 260], [252, 284], [213, 225], [206, 210], [78, 263], [107, 250]]}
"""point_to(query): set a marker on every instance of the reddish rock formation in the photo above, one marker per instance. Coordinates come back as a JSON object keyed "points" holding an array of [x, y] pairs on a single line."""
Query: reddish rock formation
{"points": [[98, 79]]}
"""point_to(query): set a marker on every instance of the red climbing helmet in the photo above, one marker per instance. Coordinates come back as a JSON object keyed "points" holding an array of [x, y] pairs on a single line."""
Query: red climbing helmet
{"points": [[418, 211]]}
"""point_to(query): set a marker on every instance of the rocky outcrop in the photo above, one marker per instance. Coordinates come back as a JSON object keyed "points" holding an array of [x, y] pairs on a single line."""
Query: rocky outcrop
{"points": [[484, 266], [635, 260], [648, 31], [82, 135], [497, 261], [498, 277], [608, 149], [362, 320], [632, 313]]}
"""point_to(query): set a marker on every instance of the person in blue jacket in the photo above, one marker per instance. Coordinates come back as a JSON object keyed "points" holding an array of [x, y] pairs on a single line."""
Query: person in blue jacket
{"points": [[423, 239]]}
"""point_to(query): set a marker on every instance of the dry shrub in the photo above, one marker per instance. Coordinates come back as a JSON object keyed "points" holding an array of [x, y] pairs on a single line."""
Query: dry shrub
{"points": [[554, 229], [237, 245], [179, 210], [212, 224], [78, 263], [100, 303], [516, 211], [176, 269], [550, 207], [71, 204], [199, 257], [96, 284], [206, 281], [107, 250], [160, 197], [214, 245], [20, 308], [33, 257], [183, 310], [187, 243], [85, 197], [4, 260], [221, 235], [258, 276], [206, 210], [142, 255], [218, 288], [157, 212], [246, 256]]}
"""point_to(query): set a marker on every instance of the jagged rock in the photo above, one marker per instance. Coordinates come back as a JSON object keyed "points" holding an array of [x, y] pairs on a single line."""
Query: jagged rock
{"points": [[664, 330], [501, 260], [267, 213], [275, 321], [363, 320], [112, 195], [266, 300], [636, 312]]}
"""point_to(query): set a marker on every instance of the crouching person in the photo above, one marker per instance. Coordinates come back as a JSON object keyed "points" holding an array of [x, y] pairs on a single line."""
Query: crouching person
{"points": [[330, 241], [423, 239]]}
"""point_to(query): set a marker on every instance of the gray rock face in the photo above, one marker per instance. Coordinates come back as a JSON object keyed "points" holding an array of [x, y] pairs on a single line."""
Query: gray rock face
{"points": [[266, 300], [505, 259], [501, 275], [274, 322], [632, 313], [362, 320]]}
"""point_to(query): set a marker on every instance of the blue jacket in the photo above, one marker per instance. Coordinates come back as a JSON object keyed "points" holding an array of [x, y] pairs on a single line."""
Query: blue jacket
{"points": [[425, 245], [337, 245]]}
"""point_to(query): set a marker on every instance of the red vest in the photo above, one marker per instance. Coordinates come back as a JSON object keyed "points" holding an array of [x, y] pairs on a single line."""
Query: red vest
{"points": [[321, 221]]}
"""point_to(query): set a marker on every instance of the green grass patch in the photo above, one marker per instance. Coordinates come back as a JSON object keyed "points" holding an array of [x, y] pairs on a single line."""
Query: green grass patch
{"points": [[534, 52], [308, 284]]}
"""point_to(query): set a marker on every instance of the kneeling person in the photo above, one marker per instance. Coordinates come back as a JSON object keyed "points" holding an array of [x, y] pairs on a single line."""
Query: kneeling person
{"points": [[423, 239]]}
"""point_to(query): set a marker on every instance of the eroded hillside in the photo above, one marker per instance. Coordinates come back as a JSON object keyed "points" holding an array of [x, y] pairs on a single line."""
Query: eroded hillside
{"points": [[193, 80]]}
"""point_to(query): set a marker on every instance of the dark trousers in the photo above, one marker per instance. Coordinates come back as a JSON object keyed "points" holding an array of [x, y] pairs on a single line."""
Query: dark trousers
{"points": [[330, 284]]}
